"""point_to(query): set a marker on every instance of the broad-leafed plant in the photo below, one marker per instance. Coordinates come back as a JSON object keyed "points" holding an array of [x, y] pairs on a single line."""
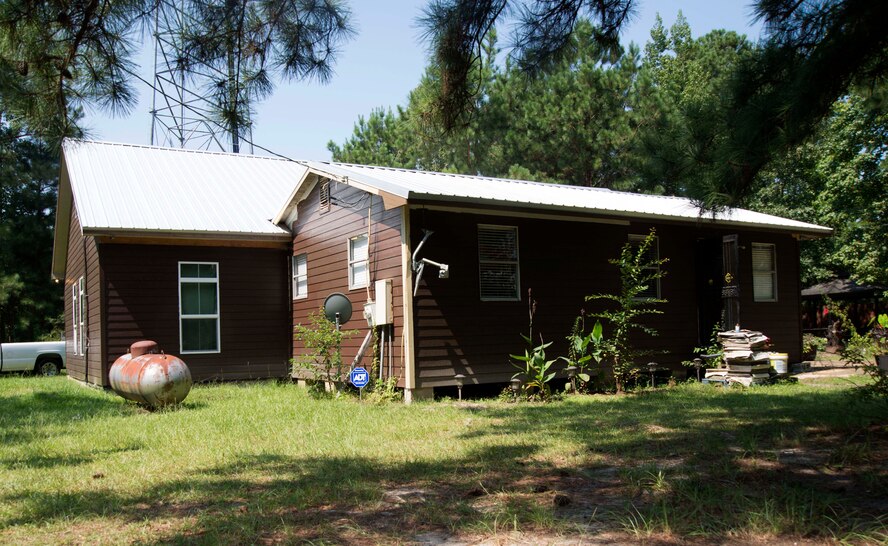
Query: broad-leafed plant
{"points": [[533, 367], [584, 348]]}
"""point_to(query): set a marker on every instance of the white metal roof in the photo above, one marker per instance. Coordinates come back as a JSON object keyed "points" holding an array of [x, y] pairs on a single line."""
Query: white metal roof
{"points": [[129, 188], [478, 190]]}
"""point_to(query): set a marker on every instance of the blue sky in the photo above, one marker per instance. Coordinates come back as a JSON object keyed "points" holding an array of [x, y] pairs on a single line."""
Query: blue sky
{"points": [[378, 68]]}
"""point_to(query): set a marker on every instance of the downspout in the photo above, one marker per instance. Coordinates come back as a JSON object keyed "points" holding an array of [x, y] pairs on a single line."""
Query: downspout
{"points": [[369, 224], [407, 357], [288, 267]]}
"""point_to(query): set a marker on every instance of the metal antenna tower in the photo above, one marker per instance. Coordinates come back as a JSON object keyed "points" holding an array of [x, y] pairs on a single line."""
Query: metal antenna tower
{"points": [[183, 111]]}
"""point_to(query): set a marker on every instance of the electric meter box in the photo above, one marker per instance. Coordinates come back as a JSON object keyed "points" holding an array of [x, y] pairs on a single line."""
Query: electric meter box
{"points": [[384, 309]]}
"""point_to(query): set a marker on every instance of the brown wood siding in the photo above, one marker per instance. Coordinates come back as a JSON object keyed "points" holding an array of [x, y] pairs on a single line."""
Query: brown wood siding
{"points": [[74, 268], [95, 346], [83, 261], [142, 287], [323, 237], [562, 262], [779, 320]]}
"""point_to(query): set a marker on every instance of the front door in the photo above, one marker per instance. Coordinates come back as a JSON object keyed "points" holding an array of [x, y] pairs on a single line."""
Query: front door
{"points": [[731, 288], [709, 287]]}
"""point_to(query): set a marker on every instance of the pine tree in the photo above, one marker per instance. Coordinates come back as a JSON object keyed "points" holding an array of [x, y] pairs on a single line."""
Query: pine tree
{"points": [[30, 303]]}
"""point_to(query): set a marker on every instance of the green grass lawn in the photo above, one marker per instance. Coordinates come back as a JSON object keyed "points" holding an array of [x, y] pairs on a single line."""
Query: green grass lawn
{"points": [[266, 463]]}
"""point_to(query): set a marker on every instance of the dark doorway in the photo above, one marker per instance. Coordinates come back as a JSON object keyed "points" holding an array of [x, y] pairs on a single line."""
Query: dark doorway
{"points": [[708, 257]]}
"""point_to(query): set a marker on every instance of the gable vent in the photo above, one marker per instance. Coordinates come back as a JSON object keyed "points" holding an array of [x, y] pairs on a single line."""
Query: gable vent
{"points": [[325, 195]]}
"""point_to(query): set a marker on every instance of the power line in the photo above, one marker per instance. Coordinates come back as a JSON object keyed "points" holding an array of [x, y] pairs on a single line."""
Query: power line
{"points": [[218, 125]]}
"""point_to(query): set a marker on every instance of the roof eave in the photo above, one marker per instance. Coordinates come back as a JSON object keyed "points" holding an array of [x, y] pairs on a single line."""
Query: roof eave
{"points": [[804, 232], [64, 204], [283, 236], [295, 197], [306, 184]]}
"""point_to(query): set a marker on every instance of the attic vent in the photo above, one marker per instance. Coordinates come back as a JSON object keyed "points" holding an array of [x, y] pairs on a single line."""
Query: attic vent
{"points": [[325, 195]]}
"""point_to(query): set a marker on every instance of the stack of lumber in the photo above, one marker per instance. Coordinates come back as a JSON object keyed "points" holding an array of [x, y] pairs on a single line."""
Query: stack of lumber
{"points": [[746, 355]]}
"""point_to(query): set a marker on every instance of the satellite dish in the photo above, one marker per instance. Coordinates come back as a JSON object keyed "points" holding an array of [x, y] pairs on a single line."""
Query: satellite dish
{"points": [[337, 304]]}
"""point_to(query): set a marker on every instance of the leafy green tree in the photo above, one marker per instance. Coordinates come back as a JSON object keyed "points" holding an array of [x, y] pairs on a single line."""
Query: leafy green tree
{"points": [[457, 28], [814, 51], [413, 136], [30, 303], [682, 105], [57, 58], [382, 138], [639, 269], [575, 126], [838, 179], [245, 42]]}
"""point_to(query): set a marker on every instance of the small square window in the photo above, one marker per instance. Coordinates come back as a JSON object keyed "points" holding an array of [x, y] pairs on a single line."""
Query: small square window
{"points": [[300, 276], [358, 260]]}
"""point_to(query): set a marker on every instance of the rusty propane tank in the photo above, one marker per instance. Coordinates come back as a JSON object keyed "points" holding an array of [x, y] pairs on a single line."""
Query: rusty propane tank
{"points": [[153, 379]]}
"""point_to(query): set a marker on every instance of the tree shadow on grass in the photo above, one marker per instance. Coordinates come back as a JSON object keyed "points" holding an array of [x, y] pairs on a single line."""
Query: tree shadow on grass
{"points": [[277, 498], [726, 462], [33, 414], [51, 461]]}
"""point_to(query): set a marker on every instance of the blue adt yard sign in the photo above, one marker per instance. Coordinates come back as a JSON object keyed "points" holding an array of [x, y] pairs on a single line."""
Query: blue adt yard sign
{"points": [[359, 377]]}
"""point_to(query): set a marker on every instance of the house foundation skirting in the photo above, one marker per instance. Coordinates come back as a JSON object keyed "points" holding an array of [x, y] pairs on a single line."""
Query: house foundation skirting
{"points": [[413, 395]]}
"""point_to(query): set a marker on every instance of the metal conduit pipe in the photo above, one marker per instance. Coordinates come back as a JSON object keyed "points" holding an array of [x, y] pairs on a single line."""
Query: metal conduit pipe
{"points": [[381, 350]]}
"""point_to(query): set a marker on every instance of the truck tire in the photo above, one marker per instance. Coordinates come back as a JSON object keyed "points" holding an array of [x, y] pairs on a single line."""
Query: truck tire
{"points": [[48, 366]]}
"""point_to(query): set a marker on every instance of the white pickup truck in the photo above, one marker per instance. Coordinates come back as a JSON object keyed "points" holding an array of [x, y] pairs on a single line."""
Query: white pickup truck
{"points": [[43, 357]]}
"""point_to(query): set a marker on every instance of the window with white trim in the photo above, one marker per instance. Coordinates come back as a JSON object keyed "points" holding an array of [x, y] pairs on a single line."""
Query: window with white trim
{"points": [[199, 307], [81, 314], [358, 257], [764, 272], [300, 276], [74, 321], [77, 313], [498, 271], [651, 257]]}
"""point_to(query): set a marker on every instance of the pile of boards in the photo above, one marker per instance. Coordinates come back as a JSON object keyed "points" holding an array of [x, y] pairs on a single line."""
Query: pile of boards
{"points": [[747, 358]]}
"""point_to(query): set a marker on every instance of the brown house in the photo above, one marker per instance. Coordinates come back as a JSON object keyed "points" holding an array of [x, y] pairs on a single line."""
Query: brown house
{"points": [[454, 303], [174, 246], [494, 239]]}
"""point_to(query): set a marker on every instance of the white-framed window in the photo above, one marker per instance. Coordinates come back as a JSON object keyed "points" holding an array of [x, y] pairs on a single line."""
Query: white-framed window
{"points": [[74, 321], [81, 314], [651, 257], [199, 307], [764, 272], [498, 267], [300, 276], [358, 258], [77, 320]]}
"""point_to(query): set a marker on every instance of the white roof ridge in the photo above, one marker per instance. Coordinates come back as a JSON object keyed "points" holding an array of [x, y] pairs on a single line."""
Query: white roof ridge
{"points": [[412, 183], [139, 188], [69, 141], [472, 176]]}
